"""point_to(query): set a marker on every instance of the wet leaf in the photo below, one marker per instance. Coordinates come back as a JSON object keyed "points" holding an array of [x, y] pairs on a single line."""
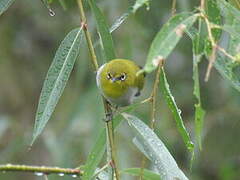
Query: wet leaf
{"points": [[167, 38], [104, 32], [164, 86], [56, 79], [4, 5], [156, 151]]}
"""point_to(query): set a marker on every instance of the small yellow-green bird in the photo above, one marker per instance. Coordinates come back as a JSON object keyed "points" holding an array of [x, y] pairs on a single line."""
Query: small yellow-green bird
{"points": [[118, 81]]}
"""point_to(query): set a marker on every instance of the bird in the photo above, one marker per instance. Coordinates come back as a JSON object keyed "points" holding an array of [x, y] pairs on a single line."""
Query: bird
{"points": [[119, 81]]}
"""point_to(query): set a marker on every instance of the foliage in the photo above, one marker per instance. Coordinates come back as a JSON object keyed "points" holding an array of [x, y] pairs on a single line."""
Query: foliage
{"points": [[214, 31]]}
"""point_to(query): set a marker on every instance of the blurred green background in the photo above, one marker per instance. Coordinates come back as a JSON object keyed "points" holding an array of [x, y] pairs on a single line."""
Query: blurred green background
{"points": [[29, 38]]}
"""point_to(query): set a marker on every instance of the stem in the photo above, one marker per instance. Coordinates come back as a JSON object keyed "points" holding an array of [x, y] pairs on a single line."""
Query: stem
{"points": [[153, 100], [41, 170], [88, 36], [154, 96], [107, 107], [110, 135], [202, 4], [173, 11]]}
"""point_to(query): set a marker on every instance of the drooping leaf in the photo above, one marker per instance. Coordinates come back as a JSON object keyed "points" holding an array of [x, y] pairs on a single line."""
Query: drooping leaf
{"points": [[146, 174], [155, 149], [198, 51], [164, 86], [104, 32], [4, 5], [167, 38], [56, 79]]}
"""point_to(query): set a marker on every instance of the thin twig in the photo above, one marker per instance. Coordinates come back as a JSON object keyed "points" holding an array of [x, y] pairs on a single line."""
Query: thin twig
{"points": [[87, 35], [100, 170], [107, 107], [173, 11], [202, 4], [214, 45], [41, 170], [152, 99]]}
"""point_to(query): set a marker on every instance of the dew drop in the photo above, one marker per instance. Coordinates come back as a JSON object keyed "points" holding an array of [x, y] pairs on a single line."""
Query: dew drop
{"points": [[61, 174], [38, 173], [51, 12], [9, 165], [74, 175]]}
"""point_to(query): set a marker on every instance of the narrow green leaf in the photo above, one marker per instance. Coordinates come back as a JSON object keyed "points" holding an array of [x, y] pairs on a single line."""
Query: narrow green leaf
{"points": [[231, 30], [199, 116], [4, 5], [226, 9], [164, 86], [198, 51], [214, 16], [167, 38], [235, 3], [229, 69], [146, 174], [56, 79], [103, 29], [140, 3], [119, 21], [155, 149], [199, 112], [133, 9]]}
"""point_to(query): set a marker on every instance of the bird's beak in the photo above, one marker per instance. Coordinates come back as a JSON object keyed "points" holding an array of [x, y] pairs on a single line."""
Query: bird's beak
{"points": [[114, 79]]}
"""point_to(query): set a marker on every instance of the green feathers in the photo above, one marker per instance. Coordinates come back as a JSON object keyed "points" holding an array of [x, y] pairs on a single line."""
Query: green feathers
{"points": [[118, 81]]}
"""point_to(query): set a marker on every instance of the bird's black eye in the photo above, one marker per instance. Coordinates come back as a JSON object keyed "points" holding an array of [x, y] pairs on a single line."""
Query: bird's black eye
{"points": [[123, 77], [109, 76]]}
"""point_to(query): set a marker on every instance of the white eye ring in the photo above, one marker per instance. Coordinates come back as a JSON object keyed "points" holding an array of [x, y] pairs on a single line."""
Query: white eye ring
{"points": [[123, 77], [109, 76]]}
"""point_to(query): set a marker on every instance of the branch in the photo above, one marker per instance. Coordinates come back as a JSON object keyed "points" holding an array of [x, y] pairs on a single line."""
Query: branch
{"points": [[41, 170], [152, 99], [107, 107]]}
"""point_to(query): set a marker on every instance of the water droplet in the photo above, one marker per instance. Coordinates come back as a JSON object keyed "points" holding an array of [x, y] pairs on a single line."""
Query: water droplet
{"points": [[51, 12], [61, 174], [8, 165], [38, 173], [3, 172], [74, 175]]}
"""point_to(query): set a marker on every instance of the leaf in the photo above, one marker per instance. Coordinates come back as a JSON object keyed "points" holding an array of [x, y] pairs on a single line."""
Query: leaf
{"points": [[214, 16], [122, 18], [167, 38], [229, 69], [227, 9], [138, 4], [164, 86], [56, 79], [4, 5], [103, 29], [146, 174], [155, 149], [198, 51]]}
